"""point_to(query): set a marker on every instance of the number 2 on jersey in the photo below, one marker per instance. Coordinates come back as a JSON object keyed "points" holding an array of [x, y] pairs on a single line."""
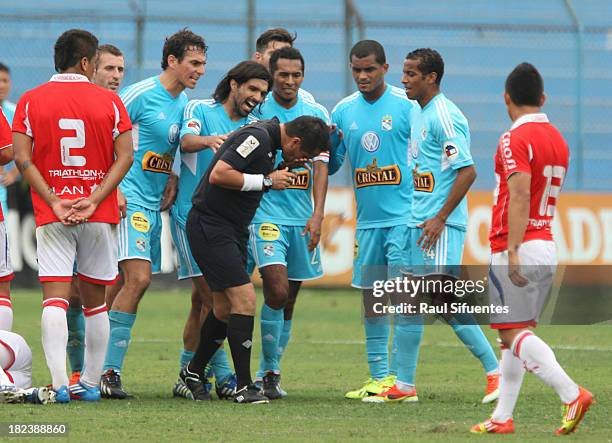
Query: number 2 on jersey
{"points": [[76, 142]]}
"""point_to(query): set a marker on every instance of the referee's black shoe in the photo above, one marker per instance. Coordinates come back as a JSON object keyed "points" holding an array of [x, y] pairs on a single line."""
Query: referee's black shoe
{"points": [[250, 394], [198, 387]]}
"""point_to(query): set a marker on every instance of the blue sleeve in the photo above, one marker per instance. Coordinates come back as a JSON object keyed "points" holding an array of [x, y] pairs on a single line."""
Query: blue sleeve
{"points": [[338, 148], [134, 105], [192, 119], [453, 134]]}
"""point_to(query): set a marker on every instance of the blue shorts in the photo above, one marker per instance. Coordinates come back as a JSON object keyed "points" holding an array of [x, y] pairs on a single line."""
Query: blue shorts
{"points": [[444, 258], [187, 266], [140, 236], [380, 254], [271, 244]]}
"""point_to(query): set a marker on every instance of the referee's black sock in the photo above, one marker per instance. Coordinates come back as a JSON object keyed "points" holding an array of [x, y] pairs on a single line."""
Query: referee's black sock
{"points": [[240, 338], [212, 335]]}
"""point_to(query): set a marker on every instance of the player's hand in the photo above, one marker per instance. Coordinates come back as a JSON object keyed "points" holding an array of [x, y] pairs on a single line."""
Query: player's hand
{"points": [[214, 142], [281, 179], [514, 270], [432, 228], [81, 210], [295, 164], [122, 202], [170, 192], [62, 209], [313, 229]]}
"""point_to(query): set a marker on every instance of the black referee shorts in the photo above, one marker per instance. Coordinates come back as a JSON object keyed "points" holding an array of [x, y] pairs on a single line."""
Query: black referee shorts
{"points": [[219, 250]]}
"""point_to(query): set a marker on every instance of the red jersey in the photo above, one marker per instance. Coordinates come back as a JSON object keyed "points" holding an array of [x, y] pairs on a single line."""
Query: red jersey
{"points": [[73, 124], [6, 141], [535, 147]]}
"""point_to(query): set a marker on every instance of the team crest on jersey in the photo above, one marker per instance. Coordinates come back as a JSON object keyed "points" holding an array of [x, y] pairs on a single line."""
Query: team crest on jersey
{"points": [[414, 148], [268, 250], [423, 181], [141, 244], [269, 232], [173, 133], [423, 132], [451, 150], [247, 146], [154, 162], [301, 180], [374, 175], [195, 125], [387, 123], [370, 141], [140, 222]]}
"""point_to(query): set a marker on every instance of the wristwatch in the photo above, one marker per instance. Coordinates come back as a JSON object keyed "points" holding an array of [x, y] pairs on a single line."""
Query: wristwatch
{"points": [[267, 183]]}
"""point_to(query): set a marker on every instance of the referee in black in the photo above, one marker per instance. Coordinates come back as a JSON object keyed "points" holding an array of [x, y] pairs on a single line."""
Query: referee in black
{"points": [[224, 204]]}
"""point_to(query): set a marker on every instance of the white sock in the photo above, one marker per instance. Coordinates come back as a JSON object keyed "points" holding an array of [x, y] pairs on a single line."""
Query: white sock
{"points": [[406, 387], [512, 373], [55, 338], [540, 359], [97, 331], [6, 313], [6, 359]]}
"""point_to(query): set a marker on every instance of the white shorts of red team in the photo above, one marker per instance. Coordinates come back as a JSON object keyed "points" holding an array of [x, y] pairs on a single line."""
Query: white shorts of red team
{"points": [[19, 367], [523, 304], [93, 246], [6, 270]]}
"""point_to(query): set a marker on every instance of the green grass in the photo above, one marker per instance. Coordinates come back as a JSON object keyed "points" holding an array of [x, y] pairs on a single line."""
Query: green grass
{"points": [[324, 359]]}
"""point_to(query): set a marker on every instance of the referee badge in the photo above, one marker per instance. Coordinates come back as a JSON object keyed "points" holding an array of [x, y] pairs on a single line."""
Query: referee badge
{"points": [[247, 146]]}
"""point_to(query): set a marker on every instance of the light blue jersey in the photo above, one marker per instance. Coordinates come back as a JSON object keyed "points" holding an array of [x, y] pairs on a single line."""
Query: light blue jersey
{"points": [[440, 146], [293, 206], [9, 110], [376, 139], [201, 117], [156, 118]]}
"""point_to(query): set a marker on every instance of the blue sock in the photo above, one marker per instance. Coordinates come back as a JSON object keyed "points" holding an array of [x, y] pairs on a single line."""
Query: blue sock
{"points": [[120, 332], [377, 331], [393, 355], [408, 331], [221, 366], [470, 333], [271, 327], [185, 358], [284, 338], [76, 338]]}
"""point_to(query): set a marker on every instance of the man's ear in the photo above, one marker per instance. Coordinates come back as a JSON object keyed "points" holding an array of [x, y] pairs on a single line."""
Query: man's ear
{"points": [[542, 100]]}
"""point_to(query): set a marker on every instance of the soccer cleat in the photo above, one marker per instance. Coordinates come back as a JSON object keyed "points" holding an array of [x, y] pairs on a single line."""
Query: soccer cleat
{"points": [[250, 394], [180, 389], [199, 388], [226, 390], [271, 386], [371, 387], [40, 396], [492, 391], [74, 378], [62, 395], [110, 385], [493, 427], [574, 412], [10, 394], [83, 393], [393, 395]]}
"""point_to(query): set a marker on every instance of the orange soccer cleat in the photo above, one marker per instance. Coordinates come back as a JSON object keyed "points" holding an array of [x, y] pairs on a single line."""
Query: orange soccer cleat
{"points": [[493, 427], [393, 395], [574, 412], [492, 391]]}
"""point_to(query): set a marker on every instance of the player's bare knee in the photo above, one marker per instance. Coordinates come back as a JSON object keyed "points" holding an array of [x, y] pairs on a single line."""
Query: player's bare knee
{"points": [[277, 296]]}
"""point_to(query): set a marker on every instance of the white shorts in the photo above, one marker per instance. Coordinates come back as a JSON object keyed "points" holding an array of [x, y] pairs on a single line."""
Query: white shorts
{"points": [[19, 370], [6, 270], [524, 304], [94, 245]]}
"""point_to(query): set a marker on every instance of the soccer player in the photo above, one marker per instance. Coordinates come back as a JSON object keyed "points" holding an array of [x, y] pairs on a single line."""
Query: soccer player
{"points": [[8, 174], [109, 72], [6, 270], [16, 373], [530, 165], [224, 204], [82, 135], [155, 106], [270, 41], [286, 229], [375, 127], [443, 171], [206, 125]]}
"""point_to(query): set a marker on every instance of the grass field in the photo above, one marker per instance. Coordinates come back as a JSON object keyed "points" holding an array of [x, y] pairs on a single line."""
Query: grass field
{"points": [[324, 359]]}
